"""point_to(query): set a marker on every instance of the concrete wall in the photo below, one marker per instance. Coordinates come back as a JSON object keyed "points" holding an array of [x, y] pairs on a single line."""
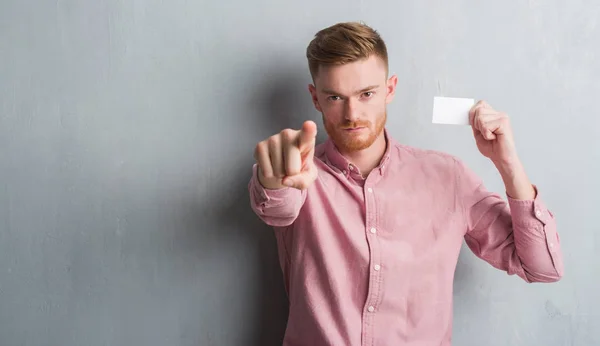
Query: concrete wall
{"points": [[126, 137]]}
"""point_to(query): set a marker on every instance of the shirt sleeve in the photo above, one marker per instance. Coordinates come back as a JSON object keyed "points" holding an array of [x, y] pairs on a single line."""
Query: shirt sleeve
{"points": [[276, 207], [517, 236]]}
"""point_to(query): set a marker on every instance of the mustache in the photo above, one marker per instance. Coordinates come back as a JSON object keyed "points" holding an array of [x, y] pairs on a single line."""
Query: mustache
{"points": [[353, 124]]}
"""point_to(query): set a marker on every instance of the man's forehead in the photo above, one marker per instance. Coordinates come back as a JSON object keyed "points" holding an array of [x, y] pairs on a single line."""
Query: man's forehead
{"points": [[350, 82], [352, 76]]}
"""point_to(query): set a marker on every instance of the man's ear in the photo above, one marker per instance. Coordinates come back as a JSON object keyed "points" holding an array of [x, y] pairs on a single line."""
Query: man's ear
{"points": [[313, 94], [391, 88]]}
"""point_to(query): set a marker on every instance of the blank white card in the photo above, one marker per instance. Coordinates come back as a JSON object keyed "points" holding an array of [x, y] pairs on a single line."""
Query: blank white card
{"points": [[451, 110]]}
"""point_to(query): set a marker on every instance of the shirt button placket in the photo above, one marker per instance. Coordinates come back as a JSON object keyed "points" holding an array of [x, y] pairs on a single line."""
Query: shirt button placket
{"points": [[375, 268]]}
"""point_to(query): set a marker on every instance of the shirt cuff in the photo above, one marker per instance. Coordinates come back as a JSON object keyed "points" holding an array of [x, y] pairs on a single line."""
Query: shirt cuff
{"points": [[527, 212], [264, 195]]}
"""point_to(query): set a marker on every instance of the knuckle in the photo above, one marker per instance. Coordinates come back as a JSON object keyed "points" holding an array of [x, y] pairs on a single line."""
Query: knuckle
{"points": [[272, 142], [287, 134], [259, 149]]}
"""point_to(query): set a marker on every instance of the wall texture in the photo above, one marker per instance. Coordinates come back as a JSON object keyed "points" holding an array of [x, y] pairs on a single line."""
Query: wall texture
{"points": [[126, 137]]}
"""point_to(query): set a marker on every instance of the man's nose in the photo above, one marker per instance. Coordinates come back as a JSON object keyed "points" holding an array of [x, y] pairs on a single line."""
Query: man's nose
{"points": [[351, 112]]}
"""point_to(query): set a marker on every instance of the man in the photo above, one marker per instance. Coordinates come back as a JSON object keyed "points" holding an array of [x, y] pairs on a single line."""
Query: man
{"points": [[369, 230]]}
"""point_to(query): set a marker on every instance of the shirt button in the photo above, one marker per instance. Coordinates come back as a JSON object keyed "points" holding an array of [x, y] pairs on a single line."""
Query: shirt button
{"points": [[373, 230], [377, 267], [370, 190], [371, 308], [538, 213], [551, 245], [351, 167]]}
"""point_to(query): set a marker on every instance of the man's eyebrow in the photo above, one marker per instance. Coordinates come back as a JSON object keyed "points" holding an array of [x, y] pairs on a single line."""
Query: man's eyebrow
{"points": [[370, 87], [333, 92]]}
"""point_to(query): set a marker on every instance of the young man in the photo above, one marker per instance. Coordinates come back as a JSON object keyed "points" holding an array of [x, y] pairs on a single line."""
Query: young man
{"points": [[369, 230]]}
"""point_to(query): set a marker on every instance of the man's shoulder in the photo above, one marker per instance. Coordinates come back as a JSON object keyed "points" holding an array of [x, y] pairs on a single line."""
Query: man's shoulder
{"points": [[408, 152]]}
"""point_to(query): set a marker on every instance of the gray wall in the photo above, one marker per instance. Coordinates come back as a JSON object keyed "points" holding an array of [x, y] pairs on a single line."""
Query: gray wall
{"points": [[126, 137]]}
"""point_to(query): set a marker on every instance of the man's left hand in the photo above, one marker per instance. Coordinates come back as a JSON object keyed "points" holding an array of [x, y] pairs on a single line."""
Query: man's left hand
{"points": [[493, 134], [494, 138]]}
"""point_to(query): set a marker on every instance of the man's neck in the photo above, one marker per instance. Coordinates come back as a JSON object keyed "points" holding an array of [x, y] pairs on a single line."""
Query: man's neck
{"points": [[367, 159]]}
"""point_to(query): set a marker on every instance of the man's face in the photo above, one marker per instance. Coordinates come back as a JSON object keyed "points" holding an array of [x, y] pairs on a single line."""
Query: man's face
{"points": [[352, 99]]}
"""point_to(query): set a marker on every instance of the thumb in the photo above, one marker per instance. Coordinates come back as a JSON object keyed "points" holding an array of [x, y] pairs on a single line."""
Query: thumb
{"points": [[302, 180]]}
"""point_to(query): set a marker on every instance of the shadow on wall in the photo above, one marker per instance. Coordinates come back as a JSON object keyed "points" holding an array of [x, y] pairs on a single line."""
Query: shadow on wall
{"points": [[281, 100]]}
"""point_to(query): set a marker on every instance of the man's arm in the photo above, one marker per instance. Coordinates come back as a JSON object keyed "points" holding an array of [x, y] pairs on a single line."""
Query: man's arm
{"points": [[518, 237], [283, 171]]}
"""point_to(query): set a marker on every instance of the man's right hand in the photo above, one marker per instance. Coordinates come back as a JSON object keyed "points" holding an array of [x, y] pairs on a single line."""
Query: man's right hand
{"points": [[286, 159]]}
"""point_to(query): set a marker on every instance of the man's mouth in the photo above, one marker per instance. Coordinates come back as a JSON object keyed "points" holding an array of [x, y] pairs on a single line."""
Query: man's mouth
{"points": [[354, 129]]}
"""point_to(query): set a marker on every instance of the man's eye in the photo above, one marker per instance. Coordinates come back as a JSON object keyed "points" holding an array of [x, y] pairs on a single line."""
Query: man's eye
{"points": [[334, 98], [368, 94]]}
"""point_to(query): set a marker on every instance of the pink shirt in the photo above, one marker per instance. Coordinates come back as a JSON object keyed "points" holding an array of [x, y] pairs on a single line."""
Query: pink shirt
{"points": [[371, 261]]}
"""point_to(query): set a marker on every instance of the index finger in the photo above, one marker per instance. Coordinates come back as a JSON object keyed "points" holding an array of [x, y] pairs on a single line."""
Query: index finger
{"points": [[307, 135]]}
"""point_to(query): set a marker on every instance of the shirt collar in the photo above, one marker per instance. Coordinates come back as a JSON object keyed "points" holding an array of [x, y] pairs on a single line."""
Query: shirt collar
{"points": [[337, 160]]}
